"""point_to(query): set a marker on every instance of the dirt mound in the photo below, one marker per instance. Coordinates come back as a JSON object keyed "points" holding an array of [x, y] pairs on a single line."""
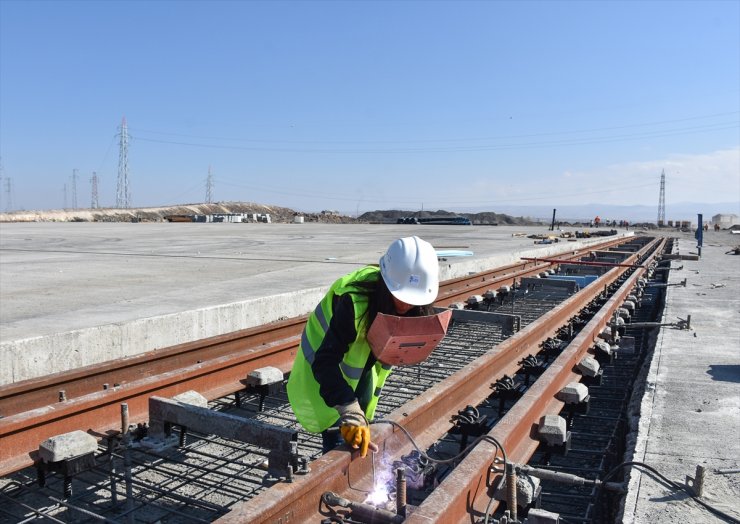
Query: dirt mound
{"points": [[486, 218], [277, 214], [158, 214]]}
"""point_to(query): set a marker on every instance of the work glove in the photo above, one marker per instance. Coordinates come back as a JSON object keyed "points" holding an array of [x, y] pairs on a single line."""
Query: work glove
{"points": [[353, 427]]}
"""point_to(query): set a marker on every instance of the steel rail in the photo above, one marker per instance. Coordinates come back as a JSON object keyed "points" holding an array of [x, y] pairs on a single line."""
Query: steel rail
{"points": [[580, 262], [465, 493], [44, 391], [215, 367], [426, 417]]}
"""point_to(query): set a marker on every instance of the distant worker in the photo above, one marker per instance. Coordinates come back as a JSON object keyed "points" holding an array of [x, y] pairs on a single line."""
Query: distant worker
{"points": [[336, 377], [597, 220], [716, 227]]}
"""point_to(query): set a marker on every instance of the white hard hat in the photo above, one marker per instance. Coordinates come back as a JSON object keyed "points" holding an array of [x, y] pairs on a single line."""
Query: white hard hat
{"points": [[411, 271]]}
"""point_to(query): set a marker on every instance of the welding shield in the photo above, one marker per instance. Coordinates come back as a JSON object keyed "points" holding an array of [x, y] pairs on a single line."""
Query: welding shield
{"points": [[402, 341]]}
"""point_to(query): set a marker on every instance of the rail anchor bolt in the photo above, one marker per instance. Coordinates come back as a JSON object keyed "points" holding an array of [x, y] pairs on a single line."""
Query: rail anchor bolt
{"points": [[697, 483]]}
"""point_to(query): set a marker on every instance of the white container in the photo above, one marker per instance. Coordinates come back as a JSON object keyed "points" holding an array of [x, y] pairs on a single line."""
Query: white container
{"points": [[298, 220]]}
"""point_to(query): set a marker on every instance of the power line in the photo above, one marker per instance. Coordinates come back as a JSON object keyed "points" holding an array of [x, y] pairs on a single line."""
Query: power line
{"points": [[455, 139], [451, 149]]}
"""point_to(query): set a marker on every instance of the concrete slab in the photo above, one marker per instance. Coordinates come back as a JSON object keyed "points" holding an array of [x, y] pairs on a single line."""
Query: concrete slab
{"points": [[75, 294], [690, 412]]}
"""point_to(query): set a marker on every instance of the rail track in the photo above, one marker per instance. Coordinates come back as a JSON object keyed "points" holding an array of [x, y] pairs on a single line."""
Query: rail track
{"points": [[208, 478]]}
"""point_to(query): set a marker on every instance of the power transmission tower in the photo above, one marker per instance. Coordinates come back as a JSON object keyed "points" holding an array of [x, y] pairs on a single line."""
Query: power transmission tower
{"points": [[94, 199], [2, 174], [74, 189], [8, 194], [65, 196], [661, 201], [209, 187], [123, 195]]}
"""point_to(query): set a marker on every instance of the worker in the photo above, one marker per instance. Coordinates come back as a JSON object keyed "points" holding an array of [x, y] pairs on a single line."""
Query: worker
{"points": [[336, 379]]}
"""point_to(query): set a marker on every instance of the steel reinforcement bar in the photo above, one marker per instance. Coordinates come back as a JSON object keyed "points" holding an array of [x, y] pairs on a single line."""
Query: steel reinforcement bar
{"points": [[427, 418]]}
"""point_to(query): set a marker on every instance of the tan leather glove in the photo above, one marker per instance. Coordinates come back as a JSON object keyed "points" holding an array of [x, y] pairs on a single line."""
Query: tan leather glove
{"points": [[353, 427]]}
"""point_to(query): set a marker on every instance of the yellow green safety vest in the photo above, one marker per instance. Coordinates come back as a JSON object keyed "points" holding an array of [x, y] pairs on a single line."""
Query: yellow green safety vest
{"points": [[303, 389]]}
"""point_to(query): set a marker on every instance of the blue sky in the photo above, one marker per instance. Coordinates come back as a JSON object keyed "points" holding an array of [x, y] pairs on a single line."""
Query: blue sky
{"points": [[358, 106]]}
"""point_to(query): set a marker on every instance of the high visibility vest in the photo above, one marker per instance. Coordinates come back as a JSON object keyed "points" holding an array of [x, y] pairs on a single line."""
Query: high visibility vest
{"points": [[303, 389]]}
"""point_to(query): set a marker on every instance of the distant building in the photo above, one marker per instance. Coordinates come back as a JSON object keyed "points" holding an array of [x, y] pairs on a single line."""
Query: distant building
{"points": [[725, 221]]}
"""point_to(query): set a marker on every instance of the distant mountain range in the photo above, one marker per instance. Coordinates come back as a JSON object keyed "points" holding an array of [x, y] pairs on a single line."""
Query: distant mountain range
{"points": [[678, 211]]}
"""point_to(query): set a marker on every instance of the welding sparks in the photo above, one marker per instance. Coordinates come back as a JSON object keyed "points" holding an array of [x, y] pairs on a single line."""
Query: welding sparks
{"points": [[383, 487], [379, 496]]}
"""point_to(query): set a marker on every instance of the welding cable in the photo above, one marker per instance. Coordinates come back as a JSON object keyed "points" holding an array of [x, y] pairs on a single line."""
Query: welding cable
{"points": [[675, 485], [450, 460], [333, 515], [486, 438]]}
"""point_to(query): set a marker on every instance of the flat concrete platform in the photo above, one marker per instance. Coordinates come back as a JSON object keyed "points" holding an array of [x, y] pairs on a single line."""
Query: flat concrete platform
{"points": [[75, 294], [690, 412]]}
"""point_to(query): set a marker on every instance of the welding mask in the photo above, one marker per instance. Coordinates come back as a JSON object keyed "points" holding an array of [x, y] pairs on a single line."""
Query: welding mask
{"points": [[403, 341]]}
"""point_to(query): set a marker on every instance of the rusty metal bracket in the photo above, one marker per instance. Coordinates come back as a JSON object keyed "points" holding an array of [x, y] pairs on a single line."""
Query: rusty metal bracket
{"points": [[570, 286], [510, 324]]}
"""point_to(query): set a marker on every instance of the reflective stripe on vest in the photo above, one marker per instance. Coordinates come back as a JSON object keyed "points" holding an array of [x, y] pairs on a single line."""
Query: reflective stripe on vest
{"points": [[303, 390]]}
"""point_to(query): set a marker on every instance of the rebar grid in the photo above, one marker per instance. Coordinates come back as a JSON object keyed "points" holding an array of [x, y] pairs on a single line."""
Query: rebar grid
{"points": [[598, 438]]}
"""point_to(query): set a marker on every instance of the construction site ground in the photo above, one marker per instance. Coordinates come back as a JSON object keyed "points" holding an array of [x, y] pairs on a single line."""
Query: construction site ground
{"points": [[689, 414], [75, 294]]}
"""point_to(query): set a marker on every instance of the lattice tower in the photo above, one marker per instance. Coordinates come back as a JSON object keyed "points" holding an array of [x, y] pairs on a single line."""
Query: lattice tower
{"points": [[8, 194], [123, 194], [74, 189], [661, 201], [94, 198], [209, 187]]}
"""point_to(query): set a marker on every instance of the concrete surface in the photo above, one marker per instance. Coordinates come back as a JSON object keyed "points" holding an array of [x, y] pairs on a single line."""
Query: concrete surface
{"points": [[690, 412], [75, 294]]}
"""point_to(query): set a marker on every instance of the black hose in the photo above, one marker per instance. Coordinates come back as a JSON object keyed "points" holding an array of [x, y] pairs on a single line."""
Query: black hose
{"points": [[674, 485]]}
